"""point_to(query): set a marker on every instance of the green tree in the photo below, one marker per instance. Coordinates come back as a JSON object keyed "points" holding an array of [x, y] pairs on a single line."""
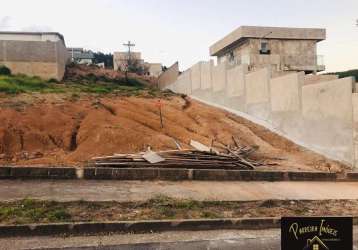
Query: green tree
{"points": [[107, 59]]}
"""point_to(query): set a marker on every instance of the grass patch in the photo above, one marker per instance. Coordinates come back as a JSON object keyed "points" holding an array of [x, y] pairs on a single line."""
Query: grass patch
{"points": [[161, 207], [32, 211], [16, 84]]}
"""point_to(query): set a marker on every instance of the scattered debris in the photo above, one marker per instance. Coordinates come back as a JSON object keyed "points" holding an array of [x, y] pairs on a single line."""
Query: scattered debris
{"points": [[195, 159], [153, 157], [187, 102], [198, 146], [177, 144]]}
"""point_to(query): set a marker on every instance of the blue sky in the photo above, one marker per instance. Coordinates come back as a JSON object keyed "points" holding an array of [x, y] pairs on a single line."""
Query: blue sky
{"points": [[183, 30]]}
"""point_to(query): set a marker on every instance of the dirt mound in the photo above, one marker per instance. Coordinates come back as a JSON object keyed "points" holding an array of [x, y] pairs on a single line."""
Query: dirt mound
{"points": [[78, 73], [51, 129]]}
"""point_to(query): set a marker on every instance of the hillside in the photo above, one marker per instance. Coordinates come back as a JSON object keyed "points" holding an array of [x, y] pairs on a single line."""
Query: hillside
{"points": [[62, 129]]}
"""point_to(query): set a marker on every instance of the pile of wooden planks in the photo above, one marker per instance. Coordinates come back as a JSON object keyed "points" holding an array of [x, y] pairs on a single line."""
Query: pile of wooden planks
{"points": [[236, 158]]}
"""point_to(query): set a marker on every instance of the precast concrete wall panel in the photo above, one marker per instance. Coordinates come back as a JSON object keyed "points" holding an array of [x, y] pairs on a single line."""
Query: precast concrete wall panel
{"points": [[179, 88], [169, 76], [355, 128], [219, 77], [257, 86], [206, 75], [327, 111], [258, 94], [196, 76], [328, 99], [184, 82], [286, 92], [174, 87], [236, 81]]}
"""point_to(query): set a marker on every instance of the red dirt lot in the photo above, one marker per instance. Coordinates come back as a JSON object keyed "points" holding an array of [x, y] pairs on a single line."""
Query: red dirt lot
{"points": [[58, 129]]}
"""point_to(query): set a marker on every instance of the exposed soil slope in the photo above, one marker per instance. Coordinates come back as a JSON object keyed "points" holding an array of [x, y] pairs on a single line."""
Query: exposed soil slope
{"points": [[57, 129]]}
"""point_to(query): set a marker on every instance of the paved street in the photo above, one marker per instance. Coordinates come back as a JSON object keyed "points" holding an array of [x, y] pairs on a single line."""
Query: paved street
{"points": [[198, 190]]}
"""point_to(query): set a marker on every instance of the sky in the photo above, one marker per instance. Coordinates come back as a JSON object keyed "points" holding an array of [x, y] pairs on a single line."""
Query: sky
{"points": [[183, 30]]}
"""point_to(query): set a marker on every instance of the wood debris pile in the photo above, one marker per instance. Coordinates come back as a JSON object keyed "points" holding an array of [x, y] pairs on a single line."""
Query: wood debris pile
{"points": [[235, 157]]}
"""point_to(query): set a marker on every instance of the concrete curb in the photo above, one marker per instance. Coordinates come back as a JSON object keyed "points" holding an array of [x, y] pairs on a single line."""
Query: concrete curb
{"points": [[38, 173], [150, 226], [172, 174], [88, 228], [168, 174]]}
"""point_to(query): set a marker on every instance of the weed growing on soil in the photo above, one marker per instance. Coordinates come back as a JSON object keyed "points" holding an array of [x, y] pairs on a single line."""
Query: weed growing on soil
{"points": [[32, 211], [162, 207], [16, 84]]}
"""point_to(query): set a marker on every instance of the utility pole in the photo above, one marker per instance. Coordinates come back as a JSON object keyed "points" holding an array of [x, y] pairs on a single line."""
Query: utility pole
{"points": [[159, 104], [129, 45]]}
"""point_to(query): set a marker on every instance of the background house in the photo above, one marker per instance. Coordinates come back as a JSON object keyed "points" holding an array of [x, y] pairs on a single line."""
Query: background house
{"points": [[121, 59], [81, 56], [40, 54]]}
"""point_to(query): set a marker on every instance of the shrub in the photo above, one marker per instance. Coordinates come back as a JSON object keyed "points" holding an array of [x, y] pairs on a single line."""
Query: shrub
{"points": [[59, 214], [53, 80], [4, 70]]}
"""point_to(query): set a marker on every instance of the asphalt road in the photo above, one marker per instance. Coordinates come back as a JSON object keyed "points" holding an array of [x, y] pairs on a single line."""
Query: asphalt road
{"points": [[92, 190]]}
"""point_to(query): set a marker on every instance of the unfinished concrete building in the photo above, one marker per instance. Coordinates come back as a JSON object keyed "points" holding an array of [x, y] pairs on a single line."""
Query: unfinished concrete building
{"points": [[40, 54], [285, 49]]}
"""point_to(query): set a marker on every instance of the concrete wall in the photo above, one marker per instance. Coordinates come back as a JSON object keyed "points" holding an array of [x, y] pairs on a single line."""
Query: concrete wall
{"points": [[183, 84], [355, 128], [205, 75], [258, 93], [35, 58], [236, 80], [322, 115], [196, 76], [327, 112], [31, 36], [311, 79], [286, 92], [62, 59], [218, 77], [169, 76]]}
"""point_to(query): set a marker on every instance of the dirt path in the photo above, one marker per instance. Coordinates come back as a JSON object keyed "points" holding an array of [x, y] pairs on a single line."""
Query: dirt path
{"points": [[140, 191], [62, 129]]}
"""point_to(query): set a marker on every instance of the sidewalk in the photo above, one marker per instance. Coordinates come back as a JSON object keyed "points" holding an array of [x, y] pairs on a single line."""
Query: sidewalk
{"points": [[200, 190]]}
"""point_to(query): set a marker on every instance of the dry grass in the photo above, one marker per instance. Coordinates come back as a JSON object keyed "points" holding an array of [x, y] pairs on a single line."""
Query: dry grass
{"points": [[162, 207]]}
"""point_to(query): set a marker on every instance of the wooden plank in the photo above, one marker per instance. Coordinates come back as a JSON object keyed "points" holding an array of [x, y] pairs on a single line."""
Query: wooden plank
{"points": [[153, 157]]}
